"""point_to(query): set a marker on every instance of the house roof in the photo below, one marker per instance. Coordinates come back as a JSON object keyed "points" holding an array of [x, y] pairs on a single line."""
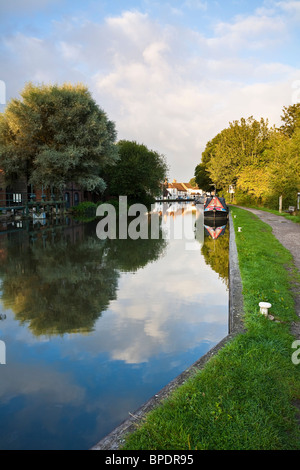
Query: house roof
{"points": [[189, 186], [177, 186]]}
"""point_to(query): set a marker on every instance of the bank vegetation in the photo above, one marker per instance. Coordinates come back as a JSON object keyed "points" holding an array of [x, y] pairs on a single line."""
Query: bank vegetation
{"points": [[247, 396], [258, 162]]}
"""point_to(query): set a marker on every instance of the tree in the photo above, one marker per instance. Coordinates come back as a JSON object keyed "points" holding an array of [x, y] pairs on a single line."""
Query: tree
{"points": [[138, 174], [202, 177], [263, 163], [193, 182], [255, 181], [291, 119], [241, 144], [284, 167], [57, 134]]}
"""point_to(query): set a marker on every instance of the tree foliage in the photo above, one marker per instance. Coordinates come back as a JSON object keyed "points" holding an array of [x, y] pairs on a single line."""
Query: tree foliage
{"points": [[240, 145], [139, 173], [261, 162], [291, 119], [57, 134], [202, 177], [284, 166]]}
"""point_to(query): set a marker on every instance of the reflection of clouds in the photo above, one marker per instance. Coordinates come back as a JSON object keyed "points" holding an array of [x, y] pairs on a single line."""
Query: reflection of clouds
{"points": [[172, 304], [165, 315], [31, 379]]}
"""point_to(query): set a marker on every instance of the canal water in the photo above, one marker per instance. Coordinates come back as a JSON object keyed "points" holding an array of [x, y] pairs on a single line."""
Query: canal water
{"points": [[93, 328]]}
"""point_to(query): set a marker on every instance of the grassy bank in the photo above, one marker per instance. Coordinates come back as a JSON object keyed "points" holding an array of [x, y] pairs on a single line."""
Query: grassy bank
{"points": [[243, 397], [293, 218]]}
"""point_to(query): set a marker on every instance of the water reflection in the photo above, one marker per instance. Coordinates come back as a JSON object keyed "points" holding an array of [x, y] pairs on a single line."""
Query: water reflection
{"points": [[215, 248], [60, 280], [94, 328]]}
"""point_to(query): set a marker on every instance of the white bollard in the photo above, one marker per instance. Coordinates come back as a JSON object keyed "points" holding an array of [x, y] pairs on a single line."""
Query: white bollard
{"points": [[264, 307]]}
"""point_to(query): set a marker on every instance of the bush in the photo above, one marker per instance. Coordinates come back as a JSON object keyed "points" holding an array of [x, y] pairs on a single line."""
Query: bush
{"points": [[85, 209]]}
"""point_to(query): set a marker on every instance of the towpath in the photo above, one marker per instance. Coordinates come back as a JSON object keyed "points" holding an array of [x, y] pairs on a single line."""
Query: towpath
{"points": [[288, 233]]}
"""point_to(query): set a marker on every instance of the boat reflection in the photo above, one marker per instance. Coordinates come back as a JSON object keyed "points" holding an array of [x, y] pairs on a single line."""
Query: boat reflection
{"points": [[215, 229], [216, 246]]}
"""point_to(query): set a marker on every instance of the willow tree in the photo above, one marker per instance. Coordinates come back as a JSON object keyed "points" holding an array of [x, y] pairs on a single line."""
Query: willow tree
{"points": [[57, 134]]}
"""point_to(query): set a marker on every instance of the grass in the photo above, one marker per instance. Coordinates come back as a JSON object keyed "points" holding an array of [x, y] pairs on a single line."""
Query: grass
{"points": [[293, 218], [243, 397]]}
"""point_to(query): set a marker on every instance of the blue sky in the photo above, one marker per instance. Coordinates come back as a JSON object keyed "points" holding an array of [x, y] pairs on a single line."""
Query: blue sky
{"points": [[170, 74]]}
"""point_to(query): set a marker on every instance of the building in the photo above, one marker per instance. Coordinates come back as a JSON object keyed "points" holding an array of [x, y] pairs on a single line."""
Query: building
{"points": [[19, 193], [176, 190], [15, 193], [192, 190]]}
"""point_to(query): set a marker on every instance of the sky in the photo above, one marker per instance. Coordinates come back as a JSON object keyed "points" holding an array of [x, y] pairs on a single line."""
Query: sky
{"points": [[170, 74]]}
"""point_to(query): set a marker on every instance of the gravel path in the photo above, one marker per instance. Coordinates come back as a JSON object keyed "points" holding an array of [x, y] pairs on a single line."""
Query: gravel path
{"points": [[288, 233]]}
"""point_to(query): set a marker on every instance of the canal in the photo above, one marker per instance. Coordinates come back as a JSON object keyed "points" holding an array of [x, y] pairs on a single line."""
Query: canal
{"points": [[94, 327]]}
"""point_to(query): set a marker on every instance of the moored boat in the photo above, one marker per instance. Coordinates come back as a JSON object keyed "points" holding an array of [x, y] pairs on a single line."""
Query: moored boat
{"points": [[215, 207]]}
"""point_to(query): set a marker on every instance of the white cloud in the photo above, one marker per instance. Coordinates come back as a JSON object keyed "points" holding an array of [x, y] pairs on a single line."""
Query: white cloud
{"points": [[171, 88], [33, 379], [178, 313], [251, 33], [292, 7]]}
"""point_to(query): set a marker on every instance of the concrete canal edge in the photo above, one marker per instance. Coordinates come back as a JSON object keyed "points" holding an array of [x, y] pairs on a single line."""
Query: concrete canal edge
{"points": [[115, 439]]}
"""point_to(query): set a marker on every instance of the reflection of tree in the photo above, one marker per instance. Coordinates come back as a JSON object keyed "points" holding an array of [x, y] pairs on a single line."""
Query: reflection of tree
{"points": [[216, 254], [131, 255], [58, 287], [59, 282]]}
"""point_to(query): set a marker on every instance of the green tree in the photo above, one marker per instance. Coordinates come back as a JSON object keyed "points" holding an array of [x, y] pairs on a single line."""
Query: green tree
{"points": [[138, 174], [202, 176], [240, 145], [57, 134], [291, 119], [284, 167], [193, 182]]}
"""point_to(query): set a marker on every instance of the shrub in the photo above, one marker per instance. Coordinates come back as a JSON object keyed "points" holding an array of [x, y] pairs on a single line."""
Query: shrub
{"points": [[85, 208]]}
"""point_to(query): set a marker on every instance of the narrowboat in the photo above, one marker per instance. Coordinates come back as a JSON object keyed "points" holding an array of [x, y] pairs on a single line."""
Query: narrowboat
{"points": [[215, 208]]}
